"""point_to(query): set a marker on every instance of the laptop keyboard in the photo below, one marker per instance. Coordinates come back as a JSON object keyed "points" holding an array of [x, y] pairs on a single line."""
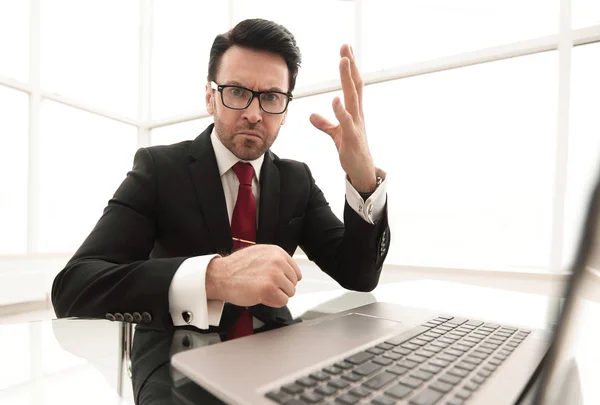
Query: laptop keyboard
{"points": [[443, 361]]}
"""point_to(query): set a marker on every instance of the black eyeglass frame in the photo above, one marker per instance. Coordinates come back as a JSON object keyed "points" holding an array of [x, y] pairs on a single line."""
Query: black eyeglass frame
{"points": [[255, 94]]}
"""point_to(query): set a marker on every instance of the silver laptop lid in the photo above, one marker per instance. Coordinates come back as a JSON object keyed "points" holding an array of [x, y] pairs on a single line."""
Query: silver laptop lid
{"points": [[572, 366]]}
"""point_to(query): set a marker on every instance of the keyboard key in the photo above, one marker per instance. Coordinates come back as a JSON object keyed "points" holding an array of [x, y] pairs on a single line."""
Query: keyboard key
{"points": [[466, 343], [320, 376], [430, 324], [382, 361], [367, 368], [419, 342], [352, 377], [463, 394], [292, 388], [498, 337], [360, 392], [507, 329], [407, 363], [379, 380], [430, 368], [473, 360], [454, 352], [424, 353], [294, 401], [444, 317], [392, 355], [347, 399], [455, 401], [490, 367], [339, 384], [416, 358], [457, 321], [489, 346], [465, 365], [441, 387], [399, 391], [383, 401], [483, 350], [471, 386], [494, 341], [478, 379], [307, 382], [403, 337], [474, 323], [447, 357], [410, 382], [446, 340], [432, 348], [385, 346], [360, 358], [397, 370], [401, 350], [484, 373], [410, 346], [438, 331], [478, 355], [450, 379], [453, 336], [440, 363], [504, 334], [421, 375], [326, 390], [278, 396], [333, 370], [491, 325], [501, 356], [427, 338], [437, 343], [426, 397], [375, 350], [311, 397], [344, 364], [459, 372], [495, 362], [461, 347], [478, 335], [472, 339], [431, 334]]}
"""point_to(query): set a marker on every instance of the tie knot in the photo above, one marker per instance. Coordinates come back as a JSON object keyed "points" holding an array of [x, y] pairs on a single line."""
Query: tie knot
{"points": [[244, 172]]}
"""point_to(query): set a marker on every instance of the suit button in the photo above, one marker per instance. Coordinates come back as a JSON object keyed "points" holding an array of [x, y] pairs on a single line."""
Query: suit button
{"points": [[110, 317], [137, 318], [128, 317], [146, 317], [119, 317]]}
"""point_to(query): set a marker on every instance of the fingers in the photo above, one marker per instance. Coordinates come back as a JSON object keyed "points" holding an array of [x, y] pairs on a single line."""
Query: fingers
{"points": [[341, 114], [294, 266], [348, 87], [276, 300], [287, 286], [347, 51], [322, 124]]}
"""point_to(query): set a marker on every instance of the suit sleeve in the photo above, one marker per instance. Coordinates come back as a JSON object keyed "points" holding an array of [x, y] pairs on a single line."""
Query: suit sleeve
{"points": [[112, 272], [353, 252]]}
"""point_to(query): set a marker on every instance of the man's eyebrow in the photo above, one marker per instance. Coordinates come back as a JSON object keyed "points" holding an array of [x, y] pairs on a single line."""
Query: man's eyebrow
{"points": [[236, 83]]}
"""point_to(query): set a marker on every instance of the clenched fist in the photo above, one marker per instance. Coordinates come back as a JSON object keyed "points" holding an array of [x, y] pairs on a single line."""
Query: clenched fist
{"points": [[259, 274]]}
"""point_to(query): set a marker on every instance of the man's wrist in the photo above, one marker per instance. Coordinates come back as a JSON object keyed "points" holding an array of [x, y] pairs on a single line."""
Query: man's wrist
{"points": [[212, 283]]}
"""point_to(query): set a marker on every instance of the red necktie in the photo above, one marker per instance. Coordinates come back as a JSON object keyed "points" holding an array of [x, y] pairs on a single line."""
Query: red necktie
{"points": [[243, 230]]}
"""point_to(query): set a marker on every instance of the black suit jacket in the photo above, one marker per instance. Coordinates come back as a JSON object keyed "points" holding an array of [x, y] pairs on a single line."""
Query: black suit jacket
{"points": [[171, 206]]}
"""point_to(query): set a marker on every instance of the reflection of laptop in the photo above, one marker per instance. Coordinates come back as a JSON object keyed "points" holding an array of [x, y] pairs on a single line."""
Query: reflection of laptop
{"points": [[385, 354]]}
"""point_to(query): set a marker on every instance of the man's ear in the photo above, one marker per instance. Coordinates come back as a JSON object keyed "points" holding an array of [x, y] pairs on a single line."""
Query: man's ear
{"points": [[210, 106]]}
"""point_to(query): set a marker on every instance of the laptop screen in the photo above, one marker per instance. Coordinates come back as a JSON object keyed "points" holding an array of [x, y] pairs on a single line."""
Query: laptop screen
{"points": [[571, 373]]}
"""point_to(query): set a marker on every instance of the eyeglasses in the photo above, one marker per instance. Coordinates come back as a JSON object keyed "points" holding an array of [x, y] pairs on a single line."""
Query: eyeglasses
{"points": [[239, 98]]}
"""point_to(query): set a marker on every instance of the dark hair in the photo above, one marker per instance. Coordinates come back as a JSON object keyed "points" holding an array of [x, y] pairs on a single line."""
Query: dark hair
{"points": [[258, 34]]}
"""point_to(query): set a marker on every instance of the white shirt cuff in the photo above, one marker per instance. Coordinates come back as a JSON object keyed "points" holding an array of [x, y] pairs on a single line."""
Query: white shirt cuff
{"points": [[187, 293], [370, 210]]}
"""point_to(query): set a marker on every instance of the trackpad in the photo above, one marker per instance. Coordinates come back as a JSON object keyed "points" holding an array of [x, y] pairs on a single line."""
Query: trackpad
{"points": [[354, 327]]}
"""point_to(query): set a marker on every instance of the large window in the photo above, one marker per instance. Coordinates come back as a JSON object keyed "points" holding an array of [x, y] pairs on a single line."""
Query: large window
{"points": [[469, 106]]}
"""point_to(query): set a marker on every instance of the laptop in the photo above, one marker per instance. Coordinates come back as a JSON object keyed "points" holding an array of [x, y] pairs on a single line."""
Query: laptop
{"points": [[385, 354]]}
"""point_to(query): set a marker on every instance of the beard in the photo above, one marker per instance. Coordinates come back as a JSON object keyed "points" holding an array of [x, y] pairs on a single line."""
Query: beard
{"points": [[244, 147]]}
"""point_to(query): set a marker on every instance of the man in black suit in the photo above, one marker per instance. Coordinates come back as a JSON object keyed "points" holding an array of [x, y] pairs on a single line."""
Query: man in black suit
{"points": [[168, 249]]}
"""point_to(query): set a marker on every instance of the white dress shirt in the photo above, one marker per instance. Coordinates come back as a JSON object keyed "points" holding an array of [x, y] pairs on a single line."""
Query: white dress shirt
{"points": [[187, 292]]}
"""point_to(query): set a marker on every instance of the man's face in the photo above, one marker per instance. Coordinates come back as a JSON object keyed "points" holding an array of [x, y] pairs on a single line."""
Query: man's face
{"points": [[248, 133]]}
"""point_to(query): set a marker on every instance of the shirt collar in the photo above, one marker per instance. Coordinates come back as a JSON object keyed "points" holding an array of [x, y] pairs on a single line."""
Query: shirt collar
{"points": [[226, 159]]}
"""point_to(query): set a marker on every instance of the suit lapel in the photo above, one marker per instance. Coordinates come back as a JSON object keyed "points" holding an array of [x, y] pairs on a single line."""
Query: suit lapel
{"points": [[268, 213], [209, 190]]}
